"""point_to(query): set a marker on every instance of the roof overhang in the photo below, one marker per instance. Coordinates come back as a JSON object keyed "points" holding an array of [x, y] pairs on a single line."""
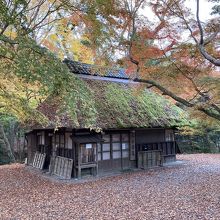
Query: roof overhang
{"points": [[83, 139]]}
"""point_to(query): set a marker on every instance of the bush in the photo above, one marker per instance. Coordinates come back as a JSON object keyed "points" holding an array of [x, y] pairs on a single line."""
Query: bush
{"points": [[197, 144], [4, 159]]}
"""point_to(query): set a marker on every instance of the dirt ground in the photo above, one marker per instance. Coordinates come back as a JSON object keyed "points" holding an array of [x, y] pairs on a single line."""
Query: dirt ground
{"points": [[189, 190]]}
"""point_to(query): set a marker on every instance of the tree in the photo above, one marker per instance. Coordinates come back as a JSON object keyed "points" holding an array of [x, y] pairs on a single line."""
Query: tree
{"points": [[21, 86], [30, 73], [204, 34], [155, 54], [67, 41], [5, 145], [204, 84]]}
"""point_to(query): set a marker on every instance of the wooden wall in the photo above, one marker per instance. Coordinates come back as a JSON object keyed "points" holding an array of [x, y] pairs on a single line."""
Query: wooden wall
{"points": [[149, 136], [31, 146], [141, 136], [154, 136]]}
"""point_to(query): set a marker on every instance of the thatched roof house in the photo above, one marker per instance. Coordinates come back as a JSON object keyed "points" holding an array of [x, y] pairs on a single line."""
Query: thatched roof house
{"points": [[111, 123], [115, 102]]}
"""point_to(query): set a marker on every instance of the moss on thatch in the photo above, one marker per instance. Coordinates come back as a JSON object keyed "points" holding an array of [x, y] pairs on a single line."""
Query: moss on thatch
{"points": [[103, 104]]}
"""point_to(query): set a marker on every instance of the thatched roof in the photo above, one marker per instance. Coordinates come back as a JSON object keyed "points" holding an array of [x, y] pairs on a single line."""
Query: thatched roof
{"points": [[107, 104]]}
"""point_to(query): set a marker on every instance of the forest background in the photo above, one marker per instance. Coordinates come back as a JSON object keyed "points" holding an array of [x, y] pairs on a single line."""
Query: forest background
{"points": [[170, 50]]}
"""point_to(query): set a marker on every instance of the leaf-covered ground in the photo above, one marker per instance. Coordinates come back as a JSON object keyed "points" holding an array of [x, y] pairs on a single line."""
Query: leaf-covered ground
{"points": [[190, 190]]}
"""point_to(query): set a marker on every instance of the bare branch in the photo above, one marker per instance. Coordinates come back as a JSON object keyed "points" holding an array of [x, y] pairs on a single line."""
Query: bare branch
{"points": [[202, 43], [199, 24], [212, 37]]}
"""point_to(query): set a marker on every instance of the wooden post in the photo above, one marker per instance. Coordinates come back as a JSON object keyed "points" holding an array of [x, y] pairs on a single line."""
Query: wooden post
{"points": [[79, 161], [139, 159], [97, 159], [52, 160], [74, 155], [121, 151], [145, 159]]}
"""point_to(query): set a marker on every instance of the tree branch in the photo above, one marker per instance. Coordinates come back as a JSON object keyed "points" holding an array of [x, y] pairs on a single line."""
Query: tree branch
{"points": [[211, 112], [208, 57], [202, 43], [199, 24], [165, 91]]}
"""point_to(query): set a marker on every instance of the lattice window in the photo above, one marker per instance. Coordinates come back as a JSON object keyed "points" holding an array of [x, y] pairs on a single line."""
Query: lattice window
{"points": [[115, 146]]}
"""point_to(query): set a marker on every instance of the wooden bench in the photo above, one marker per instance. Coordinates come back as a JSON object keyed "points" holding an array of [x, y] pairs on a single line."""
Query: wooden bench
{"points": [[93, 166]]}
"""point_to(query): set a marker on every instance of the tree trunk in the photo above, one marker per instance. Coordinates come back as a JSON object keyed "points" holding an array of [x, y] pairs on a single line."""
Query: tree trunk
{"points": [[5, 144]]}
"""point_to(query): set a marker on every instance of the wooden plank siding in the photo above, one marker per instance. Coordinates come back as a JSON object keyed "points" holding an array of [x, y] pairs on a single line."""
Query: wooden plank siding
{"points": [[149, 136], [157, 139], [148, 159], [31, 146], [168, 149]]}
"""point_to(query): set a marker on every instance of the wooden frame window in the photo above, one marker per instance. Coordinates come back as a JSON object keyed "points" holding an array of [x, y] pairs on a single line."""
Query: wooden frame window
{"points": [[105, 149], [68, 140], [115, 146], [62, 141], [58, 140], [40, 138], [169, 135], [99, 151], [125, 145]]}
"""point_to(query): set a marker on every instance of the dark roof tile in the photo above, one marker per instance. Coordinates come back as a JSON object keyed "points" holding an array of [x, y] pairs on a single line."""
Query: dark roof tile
{"points": [[88, 69]]}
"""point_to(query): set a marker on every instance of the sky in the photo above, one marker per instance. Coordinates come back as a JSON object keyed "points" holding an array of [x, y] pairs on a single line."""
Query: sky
{"points": [[204, 14], [205, 9]]}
